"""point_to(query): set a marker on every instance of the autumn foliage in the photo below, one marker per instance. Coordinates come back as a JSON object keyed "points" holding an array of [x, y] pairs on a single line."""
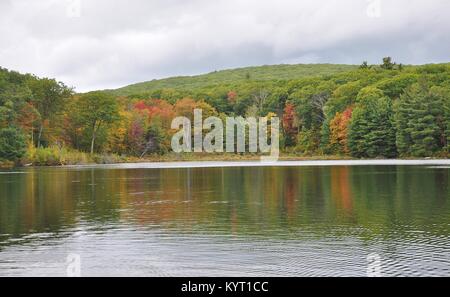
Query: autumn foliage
{"points": [[339, 131], [372, 112], [156, 109], [290, 126]]}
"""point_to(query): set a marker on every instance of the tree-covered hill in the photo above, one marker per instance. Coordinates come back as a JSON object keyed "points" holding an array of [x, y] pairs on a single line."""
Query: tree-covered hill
{"points": [[260, 73]]}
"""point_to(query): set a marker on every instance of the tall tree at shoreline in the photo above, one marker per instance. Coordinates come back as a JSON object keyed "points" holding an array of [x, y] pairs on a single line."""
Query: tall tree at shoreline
{"points": [[49, 98], [95, 110]]}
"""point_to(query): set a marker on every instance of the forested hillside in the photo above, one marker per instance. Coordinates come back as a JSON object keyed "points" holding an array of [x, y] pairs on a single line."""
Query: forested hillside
{"points": [[261, 73], [372, 111]]}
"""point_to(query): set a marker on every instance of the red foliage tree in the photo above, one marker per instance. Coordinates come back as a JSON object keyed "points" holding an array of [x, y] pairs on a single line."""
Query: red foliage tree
{"points": [[232, 96], [157, 109], [290, 126]]}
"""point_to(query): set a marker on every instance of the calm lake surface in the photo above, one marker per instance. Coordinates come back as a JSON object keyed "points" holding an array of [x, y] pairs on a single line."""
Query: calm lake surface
{"points": [[234, 221]]}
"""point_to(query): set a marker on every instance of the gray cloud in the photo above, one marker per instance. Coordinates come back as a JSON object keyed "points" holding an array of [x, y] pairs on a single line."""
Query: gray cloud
{"points": [[114, 43]]}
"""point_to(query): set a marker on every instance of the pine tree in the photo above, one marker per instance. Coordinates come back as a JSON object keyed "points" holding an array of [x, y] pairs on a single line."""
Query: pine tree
{"points": [[421, 121], [371, 129], [12, 144]]}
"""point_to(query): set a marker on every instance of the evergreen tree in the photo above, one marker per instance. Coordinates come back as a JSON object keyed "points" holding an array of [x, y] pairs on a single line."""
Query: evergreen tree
{"points": [[371, 129], [421, 120], [387, 63], [364, 65], [12, 144]]}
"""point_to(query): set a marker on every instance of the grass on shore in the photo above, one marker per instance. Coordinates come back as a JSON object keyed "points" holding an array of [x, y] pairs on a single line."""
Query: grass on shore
{"points": [[56, 156]]}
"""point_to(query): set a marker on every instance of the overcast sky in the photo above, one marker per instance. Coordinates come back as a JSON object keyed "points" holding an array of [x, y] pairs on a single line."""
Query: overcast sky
{"points": [[97, 44]]}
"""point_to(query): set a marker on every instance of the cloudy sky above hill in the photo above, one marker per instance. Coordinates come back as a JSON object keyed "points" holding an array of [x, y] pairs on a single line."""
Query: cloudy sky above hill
{"points": [[97, 44]]}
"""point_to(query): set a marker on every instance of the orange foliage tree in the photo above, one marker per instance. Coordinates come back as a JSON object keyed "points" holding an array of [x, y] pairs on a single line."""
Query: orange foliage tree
{"points": [[339, 131], [185, 108]]}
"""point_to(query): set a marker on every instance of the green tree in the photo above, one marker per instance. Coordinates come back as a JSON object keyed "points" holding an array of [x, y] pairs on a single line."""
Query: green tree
{"points": [[372, 129], [393, 87], [387, 63], [276, 101], [95, 110], [343, 96], [12, 144], [364, 65], [13, 96], [422, 124], [49, 97]]}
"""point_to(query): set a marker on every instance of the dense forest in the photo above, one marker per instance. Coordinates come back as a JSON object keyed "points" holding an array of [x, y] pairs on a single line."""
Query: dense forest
{"points": [[371, 111]]}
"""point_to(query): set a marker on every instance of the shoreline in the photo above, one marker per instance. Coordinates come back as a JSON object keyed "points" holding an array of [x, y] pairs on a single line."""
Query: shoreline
{"points": [[252, 163], [208, 160]]}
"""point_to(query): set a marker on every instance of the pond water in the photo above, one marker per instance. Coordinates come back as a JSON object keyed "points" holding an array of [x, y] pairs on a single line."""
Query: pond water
{"points": [[287, 219]]}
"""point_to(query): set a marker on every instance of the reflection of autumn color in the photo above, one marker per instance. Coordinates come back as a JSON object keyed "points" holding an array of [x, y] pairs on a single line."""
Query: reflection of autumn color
{"points": [[280, 191], [341, 188], [267, 201], [234, 221], [290, 194], [29, 202], [38, 211], [172, 196], [153, 200]]}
